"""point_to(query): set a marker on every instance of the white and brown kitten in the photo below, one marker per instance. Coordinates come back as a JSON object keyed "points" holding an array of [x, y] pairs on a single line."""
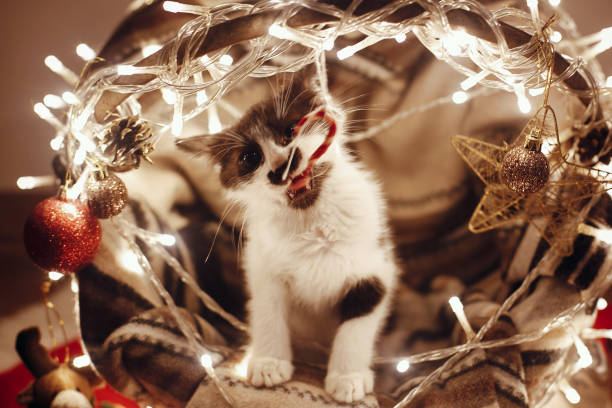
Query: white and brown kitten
{"points": [[319, 264]]}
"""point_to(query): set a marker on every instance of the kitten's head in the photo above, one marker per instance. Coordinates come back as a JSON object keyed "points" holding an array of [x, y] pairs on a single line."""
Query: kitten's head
{"points": [[260, 156]]}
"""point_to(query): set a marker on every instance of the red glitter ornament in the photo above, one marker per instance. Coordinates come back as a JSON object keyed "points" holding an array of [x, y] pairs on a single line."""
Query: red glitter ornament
{"points": [[61, 235]]}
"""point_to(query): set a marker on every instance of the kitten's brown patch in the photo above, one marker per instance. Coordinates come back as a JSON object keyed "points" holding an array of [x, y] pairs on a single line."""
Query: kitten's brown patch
{"points": [[306, 198], [361, 299], [229, 158]]}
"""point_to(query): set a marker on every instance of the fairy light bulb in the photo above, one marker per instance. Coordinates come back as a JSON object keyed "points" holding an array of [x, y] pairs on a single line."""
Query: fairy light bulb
{"points": [[53, 101], [129, 260], [85, 52], [206, 361], [166, 239], [554, 3], [126, 70], [402, 366], [570, 392], [150, 49], [172, 6], [556, 37], [328, 44], [457, 308], [169, 96], [532, 4], [400, 38], [53, 63], [226, 60], [472, 80], [459, 97], [31, 182], [584, 356], [55, 276], [57, 142], [42, 111], [602, 304], [81, 361], [521, 98], [70, 98], [609, 82]]}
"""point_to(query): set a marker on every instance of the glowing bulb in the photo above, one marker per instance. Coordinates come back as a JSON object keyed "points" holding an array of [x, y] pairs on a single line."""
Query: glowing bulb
{"points": [[206, 361], [126, 70], [602, 304], [166, 239], [74, 286], [570, 393], [169, 96], [54, 63], [609, 82], [26, 183], [201, 97], [81, 361], [403, 366], [53, 101], [130, 261], [226, 60], [532, 3], [556, 37], [457, 308], [472, 80], [554, 3], [278, 31], [57, 142], [240, 369], [345, 53], [55, 276], [172, 6], [85, 52], [328, 44], [536, 91], [79, 156], [42, 111], [460, 97], [585, 359], [523, 103], [70, 98], [400, 38], [150, 49]]}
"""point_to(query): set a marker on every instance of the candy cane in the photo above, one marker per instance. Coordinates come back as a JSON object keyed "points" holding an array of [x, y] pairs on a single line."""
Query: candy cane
{"points": [[300, 182]]}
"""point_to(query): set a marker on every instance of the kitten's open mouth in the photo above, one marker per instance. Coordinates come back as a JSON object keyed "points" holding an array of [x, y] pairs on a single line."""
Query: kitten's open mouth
{"points": [[300, 184]]}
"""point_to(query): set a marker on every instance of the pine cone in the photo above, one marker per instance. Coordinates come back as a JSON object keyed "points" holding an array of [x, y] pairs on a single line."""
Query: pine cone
{"points": [[126, 142], [593, 143]]}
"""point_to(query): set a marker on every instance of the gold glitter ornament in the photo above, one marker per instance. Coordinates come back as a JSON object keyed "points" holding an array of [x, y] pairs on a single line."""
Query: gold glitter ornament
{"points": [[524, 170], [106, 196]]}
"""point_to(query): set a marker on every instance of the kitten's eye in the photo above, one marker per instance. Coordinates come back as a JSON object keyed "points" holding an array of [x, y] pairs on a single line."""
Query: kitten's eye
{"points": [[249, 159], [288, 135]]}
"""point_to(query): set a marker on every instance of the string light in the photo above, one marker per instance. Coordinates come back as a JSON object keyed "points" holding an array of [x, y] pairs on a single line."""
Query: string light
{"points": [[402, 366], [169, 96], [172, 6], [166, 239], [55, 65], [85, 52], [30, 182], [70, 98], [602, 304], [150, 49], [609, 82], [129, 260], [226, 60], [206, 361], [57, 142], [472, 80], [556, 37], [81, 361], [53, 101], [554, 3], [42, 111], [400, 38], [126, 70], [55, 276], [459, 97], [584, 356], [457, 308], [570, 393]]}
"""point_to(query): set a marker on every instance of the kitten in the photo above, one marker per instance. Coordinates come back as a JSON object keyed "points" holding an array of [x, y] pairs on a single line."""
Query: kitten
{"points": [[318, 261]]}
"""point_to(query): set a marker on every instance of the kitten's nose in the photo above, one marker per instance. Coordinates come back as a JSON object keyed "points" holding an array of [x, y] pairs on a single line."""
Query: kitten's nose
{"points": [[276, 176]]}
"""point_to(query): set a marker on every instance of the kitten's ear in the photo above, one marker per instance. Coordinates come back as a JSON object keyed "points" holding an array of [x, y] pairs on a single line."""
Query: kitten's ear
{"points": [[195, 144]]}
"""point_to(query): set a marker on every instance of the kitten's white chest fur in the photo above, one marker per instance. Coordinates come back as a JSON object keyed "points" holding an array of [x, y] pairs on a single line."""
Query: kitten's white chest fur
{"points": [[310, 260]]}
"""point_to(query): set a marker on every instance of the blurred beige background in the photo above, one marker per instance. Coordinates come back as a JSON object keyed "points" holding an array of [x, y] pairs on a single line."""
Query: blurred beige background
{"points": [[33, 29]]}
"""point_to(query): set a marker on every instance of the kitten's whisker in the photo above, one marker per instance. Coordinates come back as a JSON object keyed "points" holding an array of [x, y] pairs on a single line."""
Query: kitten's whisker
{"points": [[286, 172], [225, 213]]}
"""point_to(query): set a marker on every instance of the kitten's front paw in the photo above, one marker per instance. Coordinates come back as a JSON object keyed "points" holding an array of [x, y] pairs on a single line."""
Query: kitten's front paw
{"points": [[349, 387], [269, 371]]}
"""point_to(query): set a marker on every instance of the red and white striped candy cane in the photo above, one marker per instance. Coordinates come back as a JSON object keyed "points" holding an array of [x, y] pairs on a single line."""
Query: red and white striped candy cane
{"points": [[301, 180]]}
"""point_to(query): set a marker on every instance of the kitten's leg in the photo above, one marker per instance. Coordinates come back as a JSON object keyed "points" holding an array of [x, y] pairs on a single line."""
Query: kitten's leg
{"points": [[270, 363], [362, 310]]}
